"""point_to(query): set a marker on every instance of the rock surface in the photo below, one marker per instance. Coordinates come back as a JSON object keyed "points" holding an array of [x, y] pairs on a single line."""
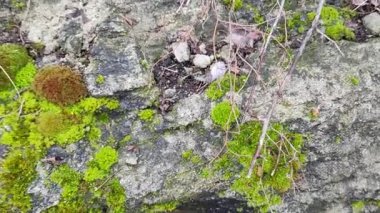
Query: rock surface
{"points": [[372, 23], [343, 160], [117, 60], [202, 61], [181, 51], [343, 166]]}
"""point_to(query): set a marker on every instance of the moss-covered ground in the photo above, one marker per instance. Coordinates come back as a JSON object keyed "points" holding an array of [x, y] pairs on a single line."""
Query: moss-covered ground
{"points": [[30, 124]]}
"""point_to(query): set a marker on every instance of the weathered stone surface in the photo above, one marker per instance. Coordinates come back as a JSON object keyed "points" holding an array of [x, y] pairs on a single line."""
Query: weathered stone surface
{"points": [[159, 162], [58, 17], [343, 146], [46, 194], [117, 60], [181, 51], [202, 61], [43, 196], [372, 23], [342, 165], [189, 110]]}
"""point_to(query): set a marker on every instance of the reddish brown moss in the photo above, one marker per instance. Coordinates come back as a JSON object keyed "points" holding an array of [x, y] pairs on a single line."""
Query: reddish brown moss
{"points": [[60, 85]]}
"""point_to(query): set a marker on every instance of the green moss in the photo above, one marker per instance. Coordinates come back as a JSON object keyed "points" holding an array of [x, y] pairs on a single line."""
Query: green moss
{"points": [[339, 31], [50, 124], [275, 170], [190, 156], [126, 139], [18, 4], [220, 87], [13, 58], [332, 20], [41, 125], [17, 171], [235, 4], [224, 114], [334, 24], [38, 47], [298, 23], [101, 164], [25, 76], [68, 179], [145, 64], [161, 207], [115, 196], [146, 114], [100, 79], [85, 193], [354, 80], [94, 134], [358, 206]]}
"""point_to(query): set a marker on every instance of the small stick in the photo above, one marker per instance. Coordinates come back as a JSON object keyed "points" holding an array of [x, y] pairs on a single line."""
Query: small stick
{"points": [[328, 38], [170, 70]]}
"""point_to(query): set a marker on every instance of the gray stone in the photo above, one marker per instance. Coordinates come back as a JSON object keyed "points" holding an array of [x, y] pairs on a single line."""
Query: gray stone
{"points": [[372, 23], [342, 165], [181, 51], [154, 178], [57, 16], [169, 93], [117, 60], [188, 110], [130, 158], [43, 196], [202, 61]]}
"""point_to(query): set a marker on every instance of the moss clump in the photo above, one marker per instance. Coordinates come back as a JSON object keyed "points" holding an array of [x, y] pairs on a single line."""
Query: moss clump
{"points": [[220, 87], [354, 80], [234, 4], [94, 134], [25, 76], [68, 179], [224, 114], [275, 170], [13, 58], [100, 79], [60, 85], [358, 206], [50, 124], [101, 164], [298, 23], [190, 156], [86, 196], [146, 114], [333, 21], [115, 196], [40, 125], [161, 207], [17, 171], [18, 4]]}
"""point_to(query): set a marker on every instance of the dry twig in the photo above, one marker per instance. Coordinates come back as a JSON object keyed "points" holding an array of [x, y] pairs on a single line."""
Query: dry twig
{"points": [[328, 38]]}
